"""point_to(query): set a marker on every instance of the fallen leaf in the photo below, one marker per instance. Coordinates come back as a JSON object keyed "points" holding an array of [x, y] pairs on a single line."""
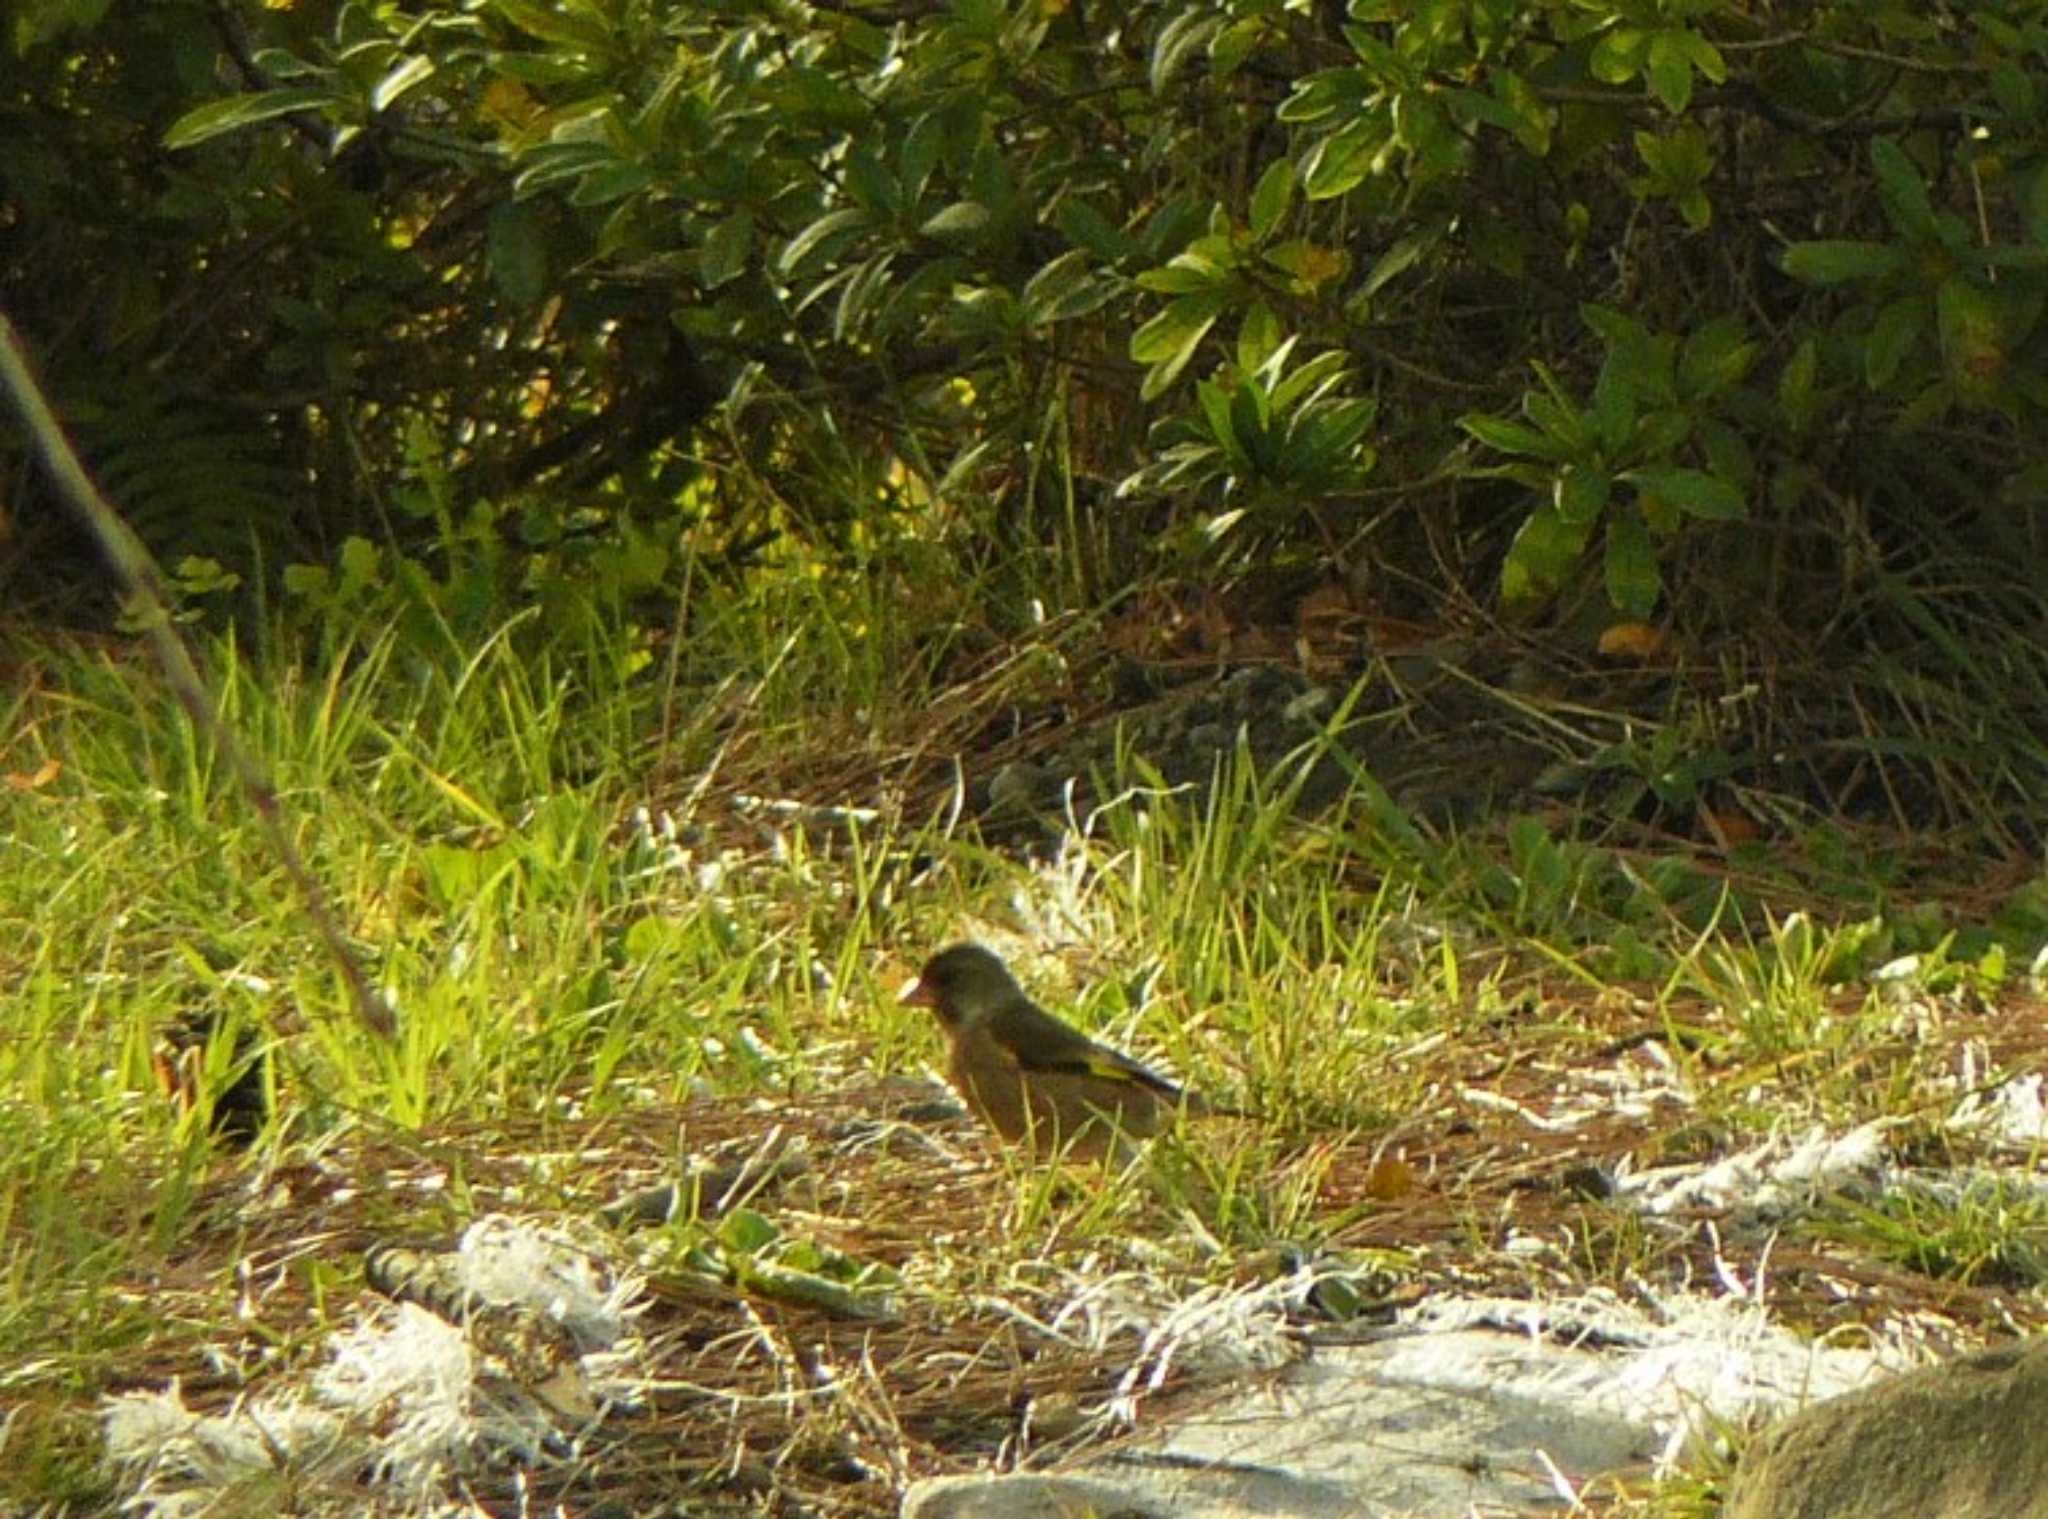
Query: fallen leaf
{"points": [[35, 780], [1389, 1180], [1634, 640]]}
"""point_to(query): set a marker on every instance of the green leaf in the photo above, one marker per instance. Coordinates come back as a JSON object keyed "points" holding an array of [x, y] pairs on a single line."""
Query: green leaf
{"points": [[1325, 94], [1618, 57], [1932, 405], [516, 253], [1613, 414], [1179, 40], [1616, 329], [1398, 258], [1634, 582], [2009, 257], [832, 226], [1979, 326], [1251, 423], [408, 74], [2013, 88], [1081, 224], [1796, 385], [1467, 106], [914, 300], [1643, 357], [1542, 869], [1508, 437], [1545, 551], [923, 146], [1535, 118], [1892, 336], [1704, 55], [1215, 402], [552, 25], [747, 1231], [237, 111], [859, 296], [1229, 48], [1832, 263], [1340, 162], [1259, 335], [1169, 340], [1271, 198], [1581, 493], [1313, 264], [35, 24], [1679, 159], [1670, 70], [1728, 455], [1188, 274], [361, 564], [308, 581], [2036, 206], [549, 167], [1332, 437], [1692, 491], [610, 183], [1660, 432], [726, 249], [1902, 190], [1051, 294], [870, 184], [1560, 419], [963, 468], [963, 219], [1320, 372], [1716, 358], [1384, 65]]}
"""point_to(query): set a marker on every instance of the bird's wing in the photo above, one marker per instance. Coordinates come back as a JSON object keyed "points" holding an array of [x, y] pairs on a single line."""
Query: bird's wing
{"points": [[1039, 1042]]}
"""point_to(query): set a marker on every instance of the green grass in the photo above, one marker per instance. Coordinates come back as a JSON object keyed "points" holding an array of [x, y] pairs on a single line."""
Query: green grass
{"points": [[530, 833]]}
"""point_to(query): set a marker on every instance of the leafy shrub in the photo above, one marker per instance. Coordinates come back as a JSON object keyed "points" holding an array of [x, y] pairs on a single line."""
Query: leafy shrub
{"points": [[1547, 293]]}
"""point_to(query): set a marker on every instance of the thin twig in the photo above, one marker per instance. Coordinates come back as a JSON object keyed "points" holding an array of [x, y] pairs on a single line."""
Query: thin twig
{"points": [[138, 572]]}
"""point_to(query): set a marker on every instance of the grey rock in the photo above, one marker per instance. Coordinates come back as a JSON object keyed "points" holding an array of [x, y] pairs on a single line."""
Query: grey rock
{"points": [[1485, 1406], [1957, 1441], [1027, 1497]]}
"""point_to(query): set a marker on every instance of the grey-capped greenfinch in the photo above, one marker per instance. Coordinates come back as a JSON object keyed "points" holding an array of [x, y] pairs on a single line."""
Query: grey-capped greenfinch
{"points": [[1035, 1080]]}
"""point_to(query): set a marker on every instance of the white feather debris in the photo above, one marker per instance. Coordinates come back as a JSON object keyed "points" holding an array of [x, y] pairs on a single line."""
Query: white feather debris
{"points": [[406, 1398], [2013, 1114], [1770, 1179]]}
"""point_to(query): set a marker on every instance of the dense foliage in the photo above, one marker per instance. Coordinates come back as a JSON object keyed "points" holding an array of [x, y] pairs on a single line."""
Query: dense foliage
{"points": [[1493, 295]]}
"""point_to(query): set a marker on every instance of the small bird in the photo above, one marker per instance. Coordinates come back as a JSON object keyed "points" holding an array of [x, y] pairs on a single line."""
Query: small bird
{"points": [[1034, 1079]]}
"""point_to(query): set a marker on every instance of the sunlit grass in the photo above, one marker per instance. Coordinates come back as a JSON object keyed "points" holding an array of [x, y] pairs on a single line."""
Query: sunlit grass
{"points": [[536, 842]]}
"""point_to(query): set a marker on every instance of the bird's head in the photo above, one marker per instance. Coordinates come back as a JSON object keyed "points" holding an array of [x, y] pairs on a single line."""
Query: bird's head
{"points": [[962, 982]]}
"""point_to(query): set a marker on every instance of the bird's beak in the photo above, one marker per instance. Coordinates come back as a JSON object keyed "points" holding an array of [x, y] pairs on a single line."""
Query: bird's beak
{"points": [[917, 994]]}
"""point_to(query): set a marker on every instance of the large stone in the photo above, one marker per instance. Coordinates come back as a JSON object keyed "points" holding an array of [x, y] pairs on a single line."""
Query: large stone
{"points": [[1963, 1440], [1471, 1406], [1026, 1497]]}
